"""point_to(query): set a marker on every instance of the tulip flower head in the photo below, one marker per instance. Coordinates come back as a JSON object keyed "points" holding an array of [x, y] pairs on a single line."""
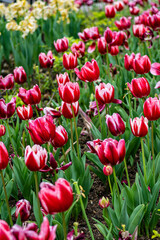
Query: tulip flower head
{"points": [[25, 113], [2, 130], [32, 96], [7, 109], [139, 126], [62, 78], [20, 75], [115, 124], [23, 208], [151, 109], [7, 82], [110, 11], [107, 170], [78, 48], [139, 87], [128, 61], [124, 23], [61, 45], [46, 61], [70, 61], [4, 157], [102, 45], [141, 64], [104, 93], [119, 5], [69, 92], [89, 34], [5, 232], [67, 109], [104, 202], [60, 138]]}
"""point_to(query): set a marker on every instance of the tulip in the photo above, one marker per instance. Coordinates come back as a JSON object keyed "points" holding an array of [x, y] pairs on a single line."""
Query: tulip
{"points": [[79, 235], [32, 96], [46, 61], [2, 130], [104, 93], [110, 11], [78, 48], [119, 39], [151, 109], [25, 113], [53, 112], [6, 82], [23, 208], [154, 21], [56, 198], [139, 126], [61, 137], [4, 157], [119, 5], [104, 202], [62, 78], [47, 232], [107, 170], [102, 45], [61, 45], [155, 69], [113, 50], [89, 72], [20, 75], [93, 145], [115, 124], [128, 61], [5, 233], [7, 109], [134, 10], [42, 129], [139, 30], [89, 34], [142, 64], [108, 35], [124, 23], [67, 110], [70, 61], [142, 19], [139, 87], [35, 157], [69, 92]]}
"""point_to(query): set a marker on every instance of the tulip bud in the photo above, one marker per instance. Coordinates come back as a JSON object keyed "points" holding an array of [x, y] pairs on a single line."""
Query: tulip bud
{"points": [[7, 109], [104, 93], [139, 30], [124, 23], [89, 72], [107, 170], [2, 130], [128, 61], [104, 202], [42, 129], [151, 109], [78, 48], [46, 231], [113, 50], [142, 64], [69, 92], [110, 11], [67, 110], [155, 69], [5, 233], [23, 208], [102, 45], [4, 157], [119, 5], [134, 10], [139, 126], [25, 113], [7, 82], [139, 87], [35, 157], [46, 61], [53, 112], [61, 45], [62, 78], [108, 34], [56, 198], [89, 34], [61, 137], [32, 96], [20, 75], [115, 124], [69, 61]]}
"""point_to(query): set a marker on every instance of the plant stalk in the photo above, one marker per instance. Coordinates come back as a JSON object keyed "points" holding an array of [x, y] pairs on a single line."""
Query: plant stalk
{"points": [[75, 126], [144, 164], [64, 226], [37, 190], [127, 175]]}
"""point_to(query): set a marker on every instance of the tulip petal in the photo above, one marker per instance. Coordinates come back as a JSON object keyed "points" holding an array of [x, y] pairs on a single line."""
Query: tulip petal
{"points": [[155, 69]]}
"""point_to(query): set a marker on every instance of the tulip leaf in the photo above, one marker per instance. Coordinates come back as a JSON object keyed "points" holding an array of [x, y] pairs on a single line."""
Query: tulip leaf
{"points": [[136, 218], [36, 210]]}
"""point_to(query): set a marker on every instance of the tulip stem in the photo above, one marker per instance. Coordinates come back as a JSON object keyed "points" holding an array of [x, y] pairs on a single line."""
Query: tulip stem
{"points": [[71, 133], [110, 186], [37, 190], [71, 78], [130, 107], [75, 126], [64, 226], [99, 115], [7, 203], [144, 164], [83, 210], [64, 154], [107, 60], [115, 180], [152, 127], [148, 142], [10, 137], [125, 165], [135, 104]]}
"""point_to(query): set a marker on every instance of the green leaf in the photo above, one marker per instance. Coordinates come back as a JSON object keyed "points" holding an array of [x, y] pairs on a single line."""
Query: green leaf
{"points": [[136, 218]]}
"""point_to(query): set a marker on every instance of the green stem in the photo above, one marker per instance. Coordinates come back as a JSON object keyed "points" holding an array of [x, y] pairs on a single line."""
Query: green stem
{"points": [[135, 104], [144, 164], [152, 139], [71, 133], [115, 180], [110, 186], [125, 165], [64, 226], [7, 203], [71, 77], [99, 115], [64, 154], [148, 141], [83, 210], [10, 137], [37, 190], [130, 107], [75, 126], [107, 60]]}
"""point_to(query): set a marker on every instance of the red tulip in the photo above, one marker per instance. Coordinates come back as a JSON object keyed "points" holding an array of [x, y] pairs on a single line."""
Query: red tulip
{"points": [[25, 113], [7, 109], [93, 145], [7, 82], [119, 38], [134, 10], [69, 92], [139, 126], [142, 64], [89, 72], [62, 78], [70, 61], [110, 11], [102, 45], [151, 109], [2, 130], [89, 34], [4, 157], [154, 21], [119, 5], [113, 50], [46, 61], [5, 233], [56, 198], [107, 170], [139, 30], [109, 35], [104, 202], [110, 151], [53, 112], [124, 23], [20, 75], [142, 19], [78, 48], [32, 96], [47, 232], [125, 2], [115, 124], [67, 110], [139, 87], [35, 157], [104, 93], [128, 61], [23, 208], [42, 129], [61, 137], [61, 45], [155, 69]]}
